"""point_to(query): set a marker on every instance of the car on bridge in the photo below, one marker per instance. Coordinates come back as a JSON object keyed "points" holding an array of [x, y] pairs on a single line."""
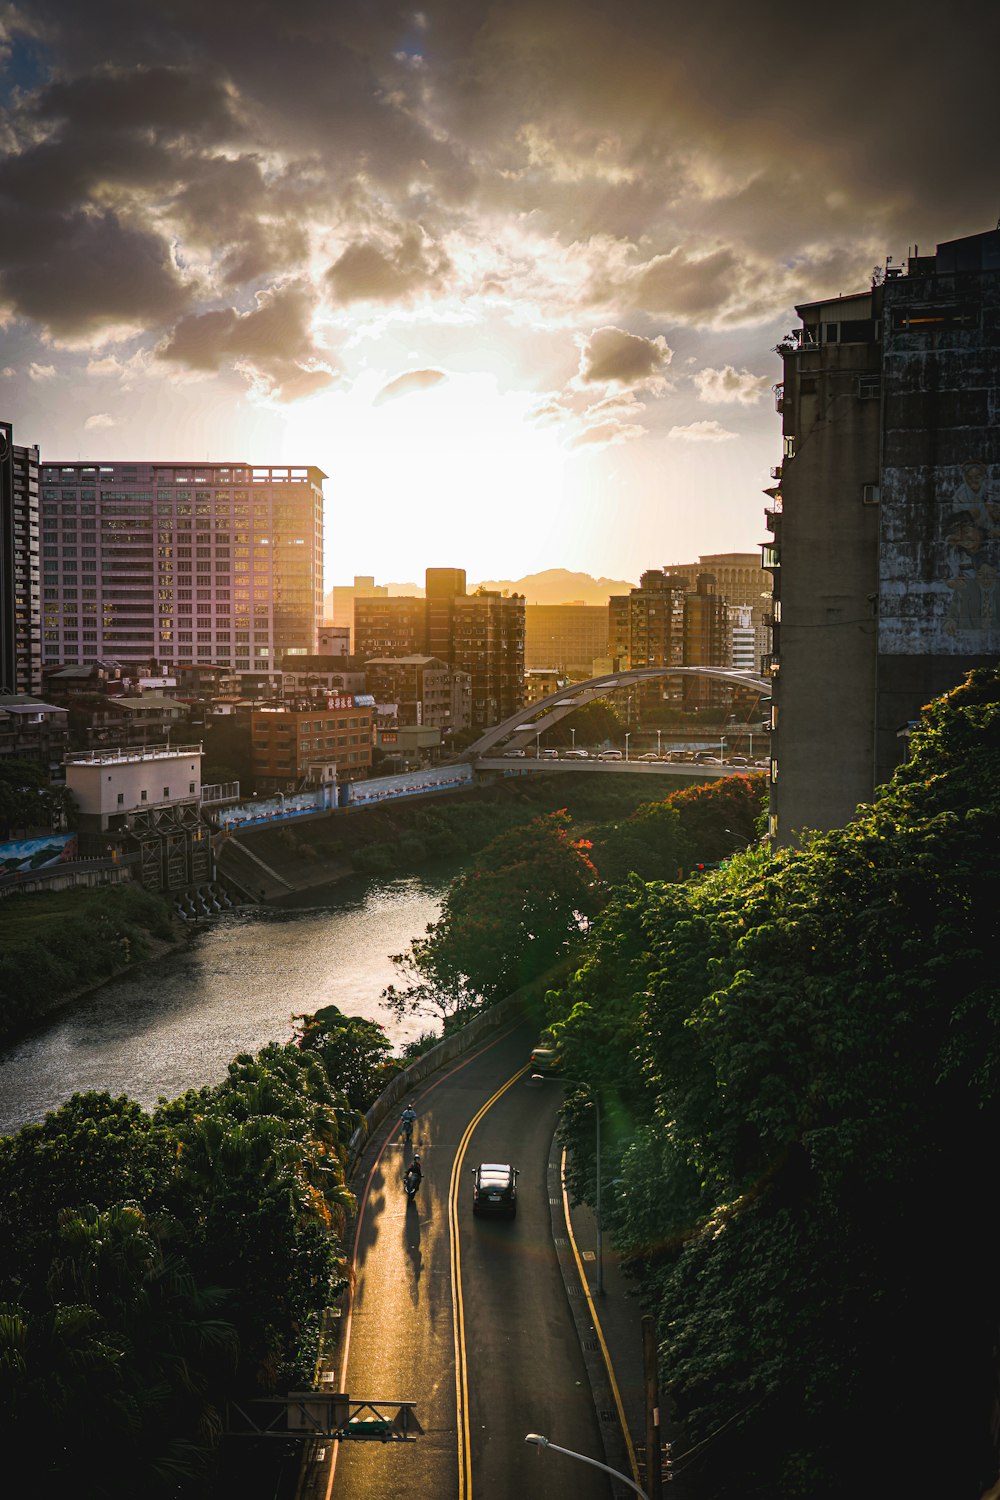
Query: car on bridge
{"points": [[495, 1189], [647, 755], [609, 755], [576, 755]]}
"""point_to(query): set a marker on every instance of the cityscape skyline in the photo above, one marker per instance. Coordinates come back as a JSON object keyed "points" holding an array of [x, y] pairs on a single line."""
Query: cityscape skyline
{"points": [[512, 276]]}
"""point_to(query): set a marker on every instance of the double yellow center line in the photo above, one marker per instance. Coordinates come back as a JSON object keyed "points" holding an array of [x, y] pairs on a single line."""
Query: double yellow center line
{"points": [[458, 1308]]}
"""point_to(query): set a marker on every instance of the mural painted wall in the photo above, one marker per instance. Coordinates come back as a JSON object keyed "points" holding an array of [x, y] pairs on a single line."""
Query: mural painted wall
{"points": [[21, 856]]}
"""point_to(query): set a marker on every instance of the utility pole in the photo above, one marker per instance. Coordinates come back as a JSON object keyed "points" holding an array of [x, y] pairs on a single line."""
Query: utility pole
{"points": [[654, 1482]]}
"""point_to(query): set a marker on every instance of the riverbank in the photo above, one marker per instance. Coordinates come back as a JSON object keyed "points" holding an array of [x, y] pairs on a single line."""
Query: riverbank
{"points": [[402, 838], [58, 946]]}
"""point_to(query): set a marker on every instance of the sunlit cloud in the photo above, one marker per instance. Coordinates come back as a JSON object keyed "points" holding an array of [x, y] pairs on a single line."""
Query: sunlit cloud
{"points": [[405, 385], [99, 420], [720, 387], [702, 432]]}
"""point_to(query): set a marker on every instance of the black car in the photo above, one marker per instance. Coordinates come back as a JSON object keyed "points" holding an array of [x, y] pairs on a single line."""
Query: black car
{"points": [[495, 1190]]}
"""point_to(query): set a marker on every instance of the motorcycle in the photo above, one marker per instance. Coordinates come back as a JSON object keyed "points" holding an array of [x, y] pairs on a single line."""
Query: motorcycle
{"points": [[410, 1184]]}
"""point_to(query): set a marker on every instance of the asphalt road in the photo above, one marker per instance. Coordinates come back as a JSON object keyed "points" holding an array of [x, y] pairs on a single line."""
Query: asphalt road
{"points": [[468, 1318]]}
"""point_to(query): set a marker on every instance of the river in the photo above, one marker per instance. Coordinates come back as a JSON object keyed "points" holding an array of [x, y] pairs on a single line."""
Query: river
{"points": [[174, 1024]]}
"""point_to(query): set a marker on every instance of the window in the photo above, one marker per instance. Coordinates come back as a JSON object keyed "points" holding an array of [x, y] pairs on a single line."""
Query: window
{"points": [[869, 387], [190, 786], [121, 799], [166, 791], [142, 795]]}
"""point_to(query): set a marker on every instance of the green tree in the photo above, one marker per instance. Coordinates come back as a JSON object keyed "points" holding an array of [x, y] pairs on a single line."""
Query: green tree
{"points": [[818, 1036], [524, 902], [355, 1052]]}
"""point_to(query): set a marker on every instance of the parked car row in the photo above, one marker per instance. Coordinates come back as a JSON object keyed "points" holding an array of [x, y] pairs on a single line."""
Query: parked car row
{"points": [[697, 757]]}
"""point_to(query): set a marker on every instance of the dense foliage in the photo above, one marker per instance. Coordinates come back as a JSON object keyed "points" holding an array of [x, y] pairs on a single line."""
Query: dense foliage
{"points": [[28, 803], [53, 941], [798, 1057], [355, 1052], [525, 902], [503, 922], [154, 1264]]}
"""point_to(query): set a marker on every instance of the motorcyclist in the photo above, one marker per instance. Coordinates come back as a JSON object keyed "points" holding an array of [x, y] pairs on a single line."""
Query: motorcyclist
{"points": [[407, 1119], [414, 1175]]}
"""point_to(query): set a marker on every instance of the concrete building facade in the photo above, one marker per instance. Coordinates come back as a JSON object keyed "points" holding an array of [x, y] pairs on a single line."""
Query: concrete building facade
{"points": [[885, 522], [488, 643], [288, 742], [565, 638], [339, 602], [424, 689], [481, 634], [181, 563], [20, 597]]}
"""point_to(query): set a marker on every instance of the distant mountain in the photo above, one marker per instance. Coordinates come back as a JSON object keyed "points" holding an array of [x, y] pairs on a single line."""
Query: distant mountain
{"points": [[560, 586], [554, 586]]}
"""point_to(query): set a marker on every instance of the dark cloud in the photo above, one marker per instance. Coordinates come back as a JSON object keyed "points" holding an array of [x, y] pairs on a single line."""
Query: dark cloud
{"points": [[405, 385], [272, 343], [612, 355], [697, 165], [173, 101], [388, 272], [80, 273]]}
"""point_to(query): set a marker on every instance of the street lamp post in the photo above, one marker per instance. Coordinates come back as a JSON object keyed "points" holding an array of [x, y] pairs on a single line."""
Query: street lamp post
{"points": [[659, 738], [628, 736], [573, 737], [543, 1442]]}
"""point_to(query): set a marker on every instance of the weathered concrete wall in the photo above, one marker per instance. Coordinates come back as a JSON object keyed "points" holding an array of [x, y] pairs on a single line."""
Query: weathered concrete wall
{"points": [[939, 584], [827, 539]]}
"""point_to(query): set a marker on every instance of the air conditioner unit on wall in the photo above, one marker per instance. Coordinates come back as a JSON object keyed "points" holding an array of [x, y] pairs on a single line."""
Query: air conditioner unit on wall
{"points": [[871, 494]]}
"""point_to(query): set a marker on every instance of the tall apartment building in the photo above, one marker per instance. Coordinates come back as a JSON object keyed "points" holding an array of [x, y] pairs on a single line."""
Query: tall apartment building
{"points": [[481, 634], [339, 602], [667, 623], [181, 563], [390, 627], [885, 522], [20, 612], [741, 578], [442, 587], [488, 643], [567, 638], [647, 625]]}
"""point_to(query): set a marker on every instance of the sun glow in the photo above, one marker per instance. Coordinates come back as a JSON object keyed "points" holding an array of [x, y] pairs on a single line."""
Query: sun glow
{"points": [[454, 475]]}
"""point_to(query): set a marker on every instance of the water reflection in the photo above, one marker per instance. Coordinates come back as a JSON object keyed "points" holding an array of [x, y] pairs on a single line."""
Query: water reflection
{"points": [[232, 988]]}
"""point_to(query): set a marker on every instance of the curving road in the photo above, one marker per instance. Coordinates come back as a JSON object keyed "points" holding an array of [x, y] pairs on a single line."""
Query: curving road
{"points": [[468, 1318]]}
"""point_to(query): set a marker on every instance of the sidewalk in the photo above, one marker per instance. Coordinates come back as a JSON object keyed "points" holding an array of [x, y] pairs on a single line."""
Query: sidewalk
{"points": [[610, 1322]]}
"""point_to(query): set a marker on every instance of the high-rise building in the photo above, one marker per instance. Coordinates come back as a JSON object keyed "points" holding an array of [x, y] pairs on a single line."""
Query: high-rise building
{"points": [[666, 622], [20, 614], [568, 638], [442, 587], [481, 634], [339, 602], [390, 627], [885, 521], [181, 563], [647, 624], [489, 645], [741, 579]]}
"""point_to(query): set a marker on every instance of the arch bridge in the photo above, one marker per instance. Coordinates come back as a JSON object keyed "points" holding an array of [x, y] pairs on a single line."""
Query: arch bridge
{"points": [[521, 728]]}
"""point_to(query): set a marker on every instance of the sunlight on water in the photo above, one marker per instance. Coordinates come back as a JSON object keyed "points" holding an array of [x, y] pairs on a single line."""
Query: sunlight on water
{"points": [[232, 988]]}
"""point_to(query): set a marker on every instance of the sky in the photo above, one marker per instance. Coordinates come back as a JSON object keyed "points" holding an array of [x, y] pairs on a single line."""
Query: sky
{"points": [[510, 272]]}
